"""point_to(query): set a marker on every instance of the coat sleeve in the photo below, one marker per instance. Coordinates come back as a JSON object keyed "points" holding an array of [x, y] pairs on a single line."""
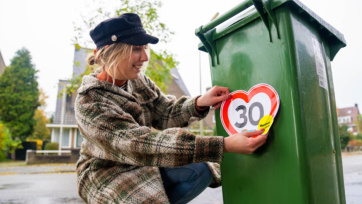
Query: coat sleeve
{"points": [[170, 112], [113, 134]]}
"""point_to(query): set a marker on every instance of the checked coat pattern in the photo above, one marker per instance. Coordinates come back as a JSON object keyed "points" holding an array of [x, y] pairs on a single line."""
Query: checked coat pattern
{"points": [[120, 156]]}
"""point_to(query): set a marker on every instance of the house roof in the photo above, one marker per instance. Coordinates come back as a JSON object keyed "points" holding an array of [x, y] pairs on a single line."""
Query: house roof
{"points": [[69, 116], [177, 78], [80, 57], [349, 111], [79, 64]]}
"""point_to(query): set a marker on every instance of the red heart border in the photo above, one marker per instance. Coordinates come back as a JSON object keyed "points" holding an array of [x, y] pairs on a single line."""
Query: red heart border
{"points": [[247, 96]]}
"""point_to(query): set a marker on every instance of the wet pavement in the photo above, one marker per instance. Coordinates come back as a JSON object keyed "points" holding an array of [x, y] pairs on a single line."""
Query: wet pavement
{"points": [[57, 184], [209, 196], [36, 169], [39, 188], [352, 170]]}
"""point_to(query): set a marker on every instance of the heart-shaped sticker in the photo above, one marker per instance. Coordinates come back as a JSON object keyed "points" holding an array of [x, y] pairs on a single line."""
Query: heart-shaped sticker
{"points": [[252, 110]]}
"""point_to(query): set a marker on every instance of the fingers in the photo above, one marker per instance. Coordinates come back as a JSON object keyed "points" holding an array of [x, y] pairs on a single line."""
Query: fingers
{"points": [[220, 94], [216, 106], [221, 89], [223, 97], [266, 134], [219, 99], [259, 141], [244, 143], [256, 142], [253, 133]]}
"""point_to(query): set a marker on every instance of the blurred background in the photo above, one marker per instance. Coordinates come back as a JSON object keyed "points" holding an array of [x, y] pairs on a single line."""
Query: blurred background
{"points": [[43, 46]]}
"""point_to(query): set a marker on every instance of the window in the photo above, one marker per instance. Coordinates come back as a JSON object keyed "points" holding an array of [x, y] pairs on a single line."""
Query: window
{"points": [[65, 136], [78, 139], [349, 112], [55, 135], [345, 119]]}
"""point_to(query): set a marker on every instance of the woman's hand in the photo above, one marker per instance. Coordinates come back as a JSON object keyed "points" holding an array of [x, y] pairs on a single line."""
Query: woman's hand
{"points": [[244, 143], [213, 97]]}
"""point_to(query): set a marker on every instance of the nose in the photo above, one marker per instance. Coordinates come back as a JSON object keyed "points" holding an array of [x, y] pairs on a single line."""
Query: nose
{"points": [[144, 56]]}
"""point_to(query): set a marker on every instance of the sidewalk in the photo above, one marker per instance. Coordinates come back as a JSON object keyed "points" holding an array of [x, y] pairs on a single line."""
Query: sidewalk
{"points": [[346, 154], [22, 168]]}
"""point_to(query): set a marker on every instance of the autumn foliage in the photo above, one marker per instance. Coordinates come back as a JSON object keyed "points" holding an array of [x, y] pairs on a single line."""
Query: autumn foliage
{"points": [[40, 130], [355, 143], [7, 144]]}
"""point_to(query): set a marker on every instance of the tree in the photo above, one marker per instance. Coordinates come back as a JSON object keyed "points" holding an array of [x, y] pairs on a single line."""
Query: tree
{"points": [[359, 123], [159, 69], [358, 137], [344, 135], [159, 65], [40, 130], [19, 95], [7, 144]]}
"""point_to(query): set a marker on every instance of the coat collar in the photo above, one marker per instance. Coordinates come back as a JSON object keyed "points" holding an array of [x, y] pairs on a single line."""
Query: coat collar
{"points": [[137, 90]]}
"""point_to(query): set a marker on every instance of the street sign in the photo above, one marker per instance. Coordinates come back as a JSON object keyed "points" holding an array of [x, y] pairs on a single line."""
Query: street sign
{"points": [[250, 110]]}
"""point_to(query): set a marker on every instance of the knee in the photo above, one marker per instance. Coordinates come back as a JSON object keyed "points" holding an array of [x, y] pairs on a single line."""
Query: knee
{"points": [[204, 173]]}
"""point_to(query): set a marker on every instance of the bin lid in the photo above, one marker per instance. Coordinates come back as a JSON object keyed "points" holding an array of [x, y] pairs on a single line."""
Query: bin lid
{"points": [[333, 36]]}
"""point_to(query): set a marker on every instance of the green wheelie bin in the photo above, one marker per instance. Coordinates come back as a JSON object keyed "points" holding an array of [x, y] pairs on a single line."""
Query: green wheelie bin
{"points": [[284, 44]]}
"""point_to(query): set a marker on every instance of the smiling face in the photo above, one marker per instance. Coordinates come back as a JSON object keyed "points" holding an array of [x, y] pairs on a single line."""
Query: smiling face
{"points": [[131, 66]]}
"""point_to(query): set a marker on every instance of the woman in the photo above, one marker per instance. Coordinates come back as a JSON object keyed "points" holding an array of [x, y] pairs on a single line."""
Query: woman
{"points": [[121, 160]]}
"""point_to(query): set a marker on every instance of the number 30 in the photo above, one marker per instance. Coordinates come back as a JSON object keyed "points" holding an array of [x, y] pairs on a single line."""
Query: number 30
{"points": [[251, 120]]}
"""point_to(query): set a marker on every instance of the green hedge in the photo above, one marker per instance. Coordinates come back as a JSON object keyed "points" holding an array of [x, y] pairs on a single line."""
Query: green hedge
{"points": [[52, 146]]}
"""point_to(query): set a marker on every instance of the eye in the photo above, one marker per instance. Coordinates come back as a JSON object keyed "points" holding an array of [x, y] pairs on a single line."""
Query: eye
{"points": [[137, 48]]}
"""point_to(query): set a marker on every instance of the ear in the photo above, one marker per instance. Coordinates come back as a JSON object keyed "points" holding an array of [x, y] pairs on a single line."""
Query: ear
{"points": [[95, 51]]}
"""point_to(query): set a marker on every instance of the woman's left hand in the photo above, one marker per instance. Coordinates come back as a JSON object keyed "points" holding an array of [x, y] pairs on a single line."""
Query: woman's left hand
{"points": [[213, 97]]}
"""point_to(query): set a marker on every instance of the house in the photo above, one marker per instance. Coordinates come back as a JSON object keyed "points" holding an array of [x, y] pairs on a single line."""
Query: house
{"points": [[348, 116], [71, 137], [2, 64]]}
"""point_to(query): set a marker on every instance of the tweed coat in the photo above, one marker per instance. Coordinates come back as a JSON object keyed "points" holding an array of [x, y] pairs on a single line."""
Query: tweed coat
{"points": [[120, 156]]}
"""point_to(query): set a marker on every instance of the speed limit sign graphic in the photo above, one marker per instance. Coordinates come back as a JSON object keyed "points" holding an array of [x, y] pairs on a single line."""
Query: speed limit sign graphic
{"points": [[252, 110]]}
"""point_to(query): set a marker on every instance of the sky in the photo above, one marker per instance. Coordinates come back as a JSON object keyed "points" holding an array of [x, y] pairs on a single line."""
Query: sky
{"points": [[45, 28]]}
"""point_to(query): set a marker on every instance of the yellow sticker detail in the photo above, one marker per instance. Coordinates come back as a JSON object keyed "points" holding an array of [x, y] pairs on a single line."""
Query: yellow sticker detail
{"points": [[265, 123]]}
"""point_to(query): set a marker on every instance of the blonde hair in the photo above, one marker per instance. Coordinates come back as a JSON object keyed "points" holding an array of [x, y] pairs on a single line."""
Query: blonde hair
{"points": [[109, 57]]}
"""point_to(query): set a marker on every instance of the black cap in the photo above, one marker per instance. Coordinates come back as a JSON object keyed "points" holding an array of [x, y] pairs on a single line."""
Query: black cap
{"points": [[126, 28]]}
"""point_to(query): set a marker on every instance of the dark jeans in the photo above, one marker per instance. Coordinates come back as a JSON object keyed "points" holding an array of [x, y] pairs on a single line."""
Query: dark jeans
{"points": [[184, 183]]}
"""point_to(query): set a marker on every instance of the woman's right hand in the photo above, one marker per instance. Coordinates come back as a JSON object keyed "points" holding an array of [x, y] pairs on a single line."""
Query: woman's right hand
{"points": [[244, 143]]}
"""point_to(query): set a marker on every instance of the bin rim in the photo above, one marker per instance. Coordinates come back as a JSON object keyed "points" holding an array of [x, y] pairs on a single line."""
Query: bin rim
{"points": [[249, 16]]}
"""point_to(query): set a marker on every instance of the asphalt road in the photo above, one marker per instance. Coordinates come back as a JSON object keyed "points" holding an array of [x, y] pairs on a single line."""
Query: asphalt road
{"points": [[29, 185], [352, 171], [39, 189]]}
